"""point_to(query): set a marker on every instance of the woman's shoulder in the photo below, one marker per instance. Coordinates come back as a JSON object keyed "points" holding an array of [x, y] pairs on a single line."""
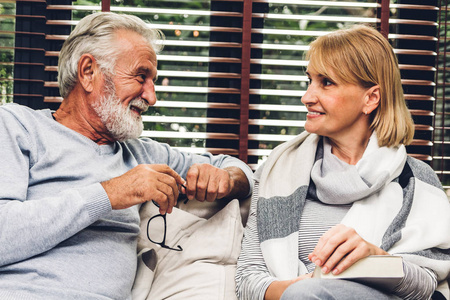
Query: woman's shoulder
{"points": [[423, 171]]}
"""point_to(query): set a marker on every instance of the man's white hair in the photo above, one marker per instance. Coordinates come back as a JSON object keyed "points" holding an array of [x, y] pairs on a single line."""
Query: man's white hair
{"points": [[95, 35]]}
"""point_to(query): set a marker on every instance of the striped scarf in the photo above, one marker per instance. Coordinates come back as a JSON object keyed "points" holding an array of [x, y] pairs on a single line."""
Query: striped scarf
{"points": [[401, 209]]}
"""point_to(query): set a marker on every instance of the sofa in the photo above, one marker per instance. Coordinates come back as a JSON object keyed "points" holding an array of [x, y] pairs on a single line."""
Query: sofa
{"points": [[210, 235]]}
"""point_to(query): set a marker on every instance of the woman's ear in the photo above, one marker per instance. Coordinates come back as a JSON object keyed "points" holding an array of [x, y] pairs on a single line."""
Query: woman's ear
{"points": [[87, 72], [372, 100]]}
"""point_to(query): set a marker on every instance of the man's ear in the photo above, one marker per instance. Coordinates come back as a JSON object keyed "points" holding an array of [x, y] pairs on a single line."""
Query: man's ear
{"points": [[373, 97], [87, 72]]}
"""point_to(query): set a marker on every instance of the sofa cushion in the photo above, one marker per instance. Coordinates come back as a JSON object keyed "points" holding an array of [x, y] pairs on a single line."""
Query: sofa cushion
{"points": [[205, 268]]}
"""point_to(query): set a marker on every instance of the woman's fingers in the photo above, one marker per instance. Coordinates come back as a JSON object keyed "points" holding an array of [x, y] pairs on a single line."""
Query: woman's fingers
{"points": [[340, 247]]}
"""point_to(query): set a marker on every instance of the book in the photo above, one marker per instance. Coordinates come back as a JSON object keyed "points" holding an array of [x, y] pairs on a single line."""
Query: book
{"points": [[380, 271]]}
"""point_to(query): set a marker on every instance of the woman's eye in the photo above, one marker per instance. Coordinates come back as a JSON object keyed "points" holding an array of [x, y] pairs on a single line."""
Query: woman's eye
{"points": [[327, 82]]}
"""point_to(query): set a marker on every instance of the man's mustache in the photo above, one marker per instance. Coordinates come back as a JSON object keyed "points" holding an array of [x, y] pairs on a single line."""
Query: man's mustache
{"points": [[140, 104]]}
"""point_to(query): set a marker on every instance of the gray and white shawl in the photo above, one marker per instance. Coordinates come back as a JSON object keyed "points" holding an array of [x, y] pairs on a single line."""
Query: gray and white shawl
{"points": [[398, 204]]}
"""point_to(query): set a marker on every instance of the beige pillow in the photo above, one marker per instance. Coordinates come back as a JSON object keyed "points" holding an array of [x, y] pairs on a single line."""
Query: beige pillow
{"points": [[205, 268]]}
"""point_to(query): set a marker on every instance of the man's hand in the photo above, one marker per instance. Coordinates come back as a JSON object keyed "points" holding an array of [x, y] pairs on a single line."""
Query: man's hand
{"points": [[339, 248], [206, 182], [145, 183]]}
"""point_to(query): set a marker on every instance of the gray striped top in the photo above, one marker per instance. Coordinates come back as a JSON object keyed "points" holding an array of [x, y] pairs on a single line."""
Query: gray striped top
{"points": [[252, 278]]}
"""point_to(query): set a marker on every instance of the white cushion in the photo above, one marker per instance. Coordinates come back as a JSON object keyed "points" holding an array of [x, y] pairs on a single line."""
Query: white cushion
{"points": [[205, 268]]}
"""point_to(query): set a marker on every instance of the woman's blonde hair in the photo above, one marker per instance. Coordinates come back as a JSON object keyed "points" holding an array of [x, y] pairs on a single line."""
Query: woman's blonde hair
{"points": [[361, 55]]}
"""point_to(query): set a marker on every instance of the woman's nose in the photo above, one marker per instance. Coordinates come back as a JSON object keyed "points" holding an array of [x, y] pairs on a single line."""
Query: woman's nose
{"points": [[308, 97]]}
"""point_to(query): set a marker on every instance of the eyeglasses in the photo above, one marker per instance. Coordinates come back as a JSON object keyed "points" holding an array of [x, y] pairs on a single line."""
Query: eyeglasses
{"points": [[156, 236]]}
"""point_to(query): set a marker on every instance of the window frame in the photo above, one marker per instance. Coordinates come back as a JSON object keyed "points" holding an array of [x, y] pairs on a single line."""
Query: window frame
{"points": [[38, 89]]}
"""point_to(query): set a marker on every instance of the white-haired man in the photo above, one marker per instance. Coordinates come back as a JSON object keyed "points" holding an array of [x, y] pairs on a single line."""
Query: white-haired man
{"points": [[73, 180]]}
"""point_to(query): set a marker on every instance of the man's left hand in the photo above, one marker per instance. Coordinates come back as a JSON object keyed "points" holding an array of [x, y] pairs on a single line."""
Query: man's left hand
{"points": [[206, 182]]}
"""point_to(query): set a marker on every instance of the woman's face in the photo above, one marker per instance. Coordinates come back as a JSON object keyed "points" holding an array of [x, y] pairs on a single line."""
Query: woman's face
{"points": [[335, 109]]}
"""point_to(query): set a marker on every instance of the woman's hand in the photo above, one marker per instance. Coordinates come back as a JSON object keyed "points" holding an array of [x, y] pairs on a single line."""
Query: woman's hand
{"points": [[277, 288], [339, 248]]}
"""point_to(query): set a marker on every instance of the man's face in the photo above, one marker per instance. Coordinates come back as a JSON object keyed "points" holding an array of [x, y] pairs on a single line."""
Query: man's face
{"points": [[121, 121], [131, 90]]}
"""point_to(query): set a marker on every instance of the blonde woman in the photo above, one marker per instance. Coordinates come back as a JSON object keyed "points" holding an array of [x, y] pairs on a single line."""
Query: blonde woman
{"points": [[346, 188]]}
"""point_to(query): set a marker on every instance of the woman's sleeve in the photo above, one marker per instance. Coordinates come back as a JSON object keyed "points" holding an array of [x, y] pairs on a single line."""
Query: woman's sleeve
{"points": [[417, 284], [252, 275]]}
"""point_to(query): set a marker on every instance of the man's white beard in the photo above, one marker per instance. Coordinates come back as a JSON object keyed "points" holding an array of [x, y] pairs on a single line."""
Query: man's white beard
{"points": [[121, 123]]}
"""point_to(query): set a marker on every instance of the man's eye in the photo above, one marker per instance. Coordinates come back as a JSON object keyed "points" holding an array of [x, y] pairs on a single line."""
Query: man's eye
{"points": [[142, 77]]}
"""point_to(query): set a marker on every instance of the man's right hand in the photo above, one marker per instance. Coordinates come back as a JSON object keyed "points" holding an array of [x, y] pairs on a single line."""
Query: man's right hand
{"points": [[145, 183]]}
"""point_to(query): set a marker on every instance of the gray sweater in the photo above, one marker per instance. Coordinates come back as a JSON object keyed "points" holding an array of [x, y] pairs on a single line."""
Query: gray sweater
{"points": [[59, 237]]}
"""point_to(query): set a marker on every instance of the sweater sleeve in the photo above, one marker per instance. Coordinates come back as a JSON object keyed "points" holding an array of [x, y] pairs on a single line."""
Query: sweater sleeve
{"points": [[252, 275], [29, 227]]}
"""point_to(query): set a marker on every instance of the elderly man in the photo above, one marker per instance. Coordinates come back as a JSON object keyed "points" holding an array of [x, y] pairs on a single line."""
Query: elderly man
{"points": [[73, 180]]}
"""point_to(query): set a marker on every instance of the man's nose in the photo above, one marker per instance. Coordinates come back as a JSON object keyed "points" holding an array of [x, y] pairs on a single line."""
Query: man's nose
{"points": [[148, 92]]}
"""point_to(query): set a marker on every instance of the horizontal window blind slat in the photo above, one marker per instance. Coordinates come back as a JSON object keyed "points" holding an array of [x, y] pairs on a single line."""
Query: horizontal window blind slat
{"points": [[189, 135], [310, 33], [22, 33], [279, 62], [269, 107], [271, 137], [197, 90], [204, 59], [189, 104], [290, 123], [49, 99], [315, 18], [37, 1], [340, 4], [412, 22], [5, 16], [417, 67], [421, 143], [411, 37], [62, 22], [189, 120], [413, 6], [51, 53], [421, 112], [146, 10], [198, 28], [198, 74], [259, 152], [179, 43], [291, 93], [419, 97], [27, 95], [279, 77]]}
